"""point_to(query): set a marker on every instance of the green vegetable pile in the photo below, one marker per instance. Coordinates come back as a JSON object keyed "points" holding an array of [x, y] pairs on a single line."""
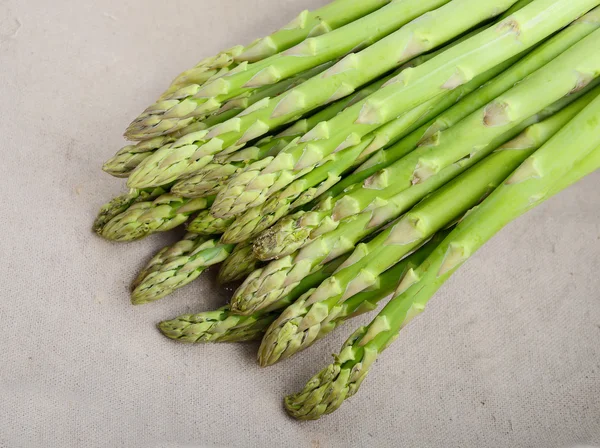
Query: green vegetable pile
{"points": [[365, 150]]}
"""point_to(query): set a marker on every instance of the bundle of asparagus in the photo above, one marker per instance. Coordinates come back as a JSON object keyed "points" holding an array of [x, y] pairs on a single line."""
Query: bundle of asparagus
{"points": [[367, 148]]}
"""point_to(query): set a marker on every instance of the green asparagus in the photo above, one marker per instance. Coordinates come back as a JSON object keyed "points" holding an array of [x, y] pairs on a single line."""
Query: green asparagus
{"points": [[239, 264], [144, 218], [178, 266], [121, 203]]}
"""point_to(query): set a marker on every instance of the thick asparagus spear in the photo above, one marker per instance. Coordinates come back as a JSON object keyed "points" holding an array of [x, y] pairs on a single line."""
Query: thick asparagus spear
{"points": [[129, 157], [175, 267], [121, 203], [225, 326], [168, 115], [331, 16], [344, 77], [568, 156], [144, 218], [567, 72]]}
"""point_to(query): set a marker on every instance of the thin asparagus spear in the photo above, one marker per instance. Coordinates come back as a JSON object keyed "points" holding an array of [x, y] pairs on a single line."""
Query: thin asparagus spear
{"points": [[239, 264], [144, 218], [121, 203], [177, 266], [331, 16], [568, 156]]}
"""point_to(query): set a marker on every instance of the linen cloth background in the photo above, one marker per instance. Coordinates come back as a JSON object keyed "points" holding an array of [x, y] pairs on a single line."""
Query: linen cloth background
{"points": [[506, 355]]}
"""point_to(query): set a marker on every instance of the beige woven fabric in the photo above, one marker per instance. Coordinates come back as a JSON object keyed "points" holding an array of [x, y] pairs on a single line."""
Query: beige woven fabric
{"points": [[506, 355]]}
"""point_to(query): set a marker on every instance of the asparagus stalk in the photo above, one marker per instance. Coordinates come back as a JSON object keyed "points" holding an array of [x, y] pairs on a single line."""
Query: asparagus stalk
{"points": [[211, 178], [129, 157], [341, 79], [331, 16], [181, 248], [144, 218], [239, 264], [121, 203], [206, 224], [168, 115], [223, 325], [217, 326], [567, 157], [176, 266], [560, 76]]}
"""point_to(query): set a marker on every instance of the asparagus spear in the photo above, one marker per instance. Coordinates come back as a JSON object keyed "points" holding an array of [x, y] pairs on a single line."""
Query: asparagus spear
{"points": [[206, 224], [168, 115], [306, 316], [341, 79], [217, 326], [144, 218], [567, 72], [181, 248], [223, 325], [331, 16], [211, 178], [121, 203], [175, 267], [567, 157], [239, 264], [129, 157]]}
